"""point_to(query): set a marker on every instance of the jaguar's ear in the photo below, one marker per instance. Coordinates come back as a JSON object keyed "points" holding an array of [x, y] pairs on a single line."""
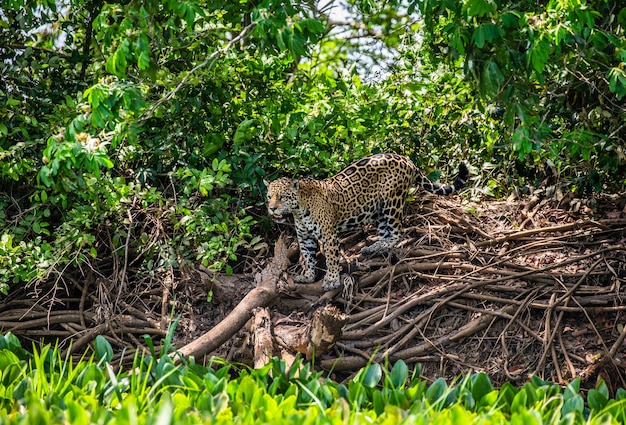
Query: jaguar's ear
{"points": [[266, 183], [295, 184]]}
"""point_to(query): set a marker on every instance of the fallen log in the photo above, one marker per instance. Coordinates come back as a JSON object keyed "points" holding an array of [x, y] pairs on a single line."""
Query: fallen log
{"points": [[261, 296]]}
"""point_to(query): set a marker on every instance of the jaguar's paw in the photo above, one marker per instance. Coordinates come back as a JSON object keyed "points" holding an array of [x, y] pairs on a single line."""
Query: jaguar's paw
{"points": [[304, 279], [329, 285]]}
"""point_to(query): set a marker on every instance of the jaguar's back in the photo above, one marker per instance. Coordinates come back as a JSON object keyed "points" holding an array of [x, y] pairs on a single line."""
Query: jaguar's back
{"points": [[368, 188]]}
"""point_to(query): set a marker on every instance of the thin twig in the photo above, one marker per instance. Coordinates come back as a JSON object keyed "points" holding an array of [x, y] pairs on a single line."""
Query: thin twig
{"points": [[208, 62]]}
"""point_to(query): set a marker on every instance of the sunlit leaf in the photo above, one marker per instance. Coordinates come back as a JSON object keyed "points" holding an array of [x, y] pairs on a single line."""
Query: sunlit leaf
{"points": [[103, 349], [539, 55], [478, 7], [372, 375]]}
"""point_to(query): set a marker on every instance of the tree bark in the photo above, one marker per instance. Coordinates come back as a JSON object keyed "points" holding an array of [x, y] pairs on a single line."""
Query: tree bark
{"points": [[326, 328], [263, 340]]}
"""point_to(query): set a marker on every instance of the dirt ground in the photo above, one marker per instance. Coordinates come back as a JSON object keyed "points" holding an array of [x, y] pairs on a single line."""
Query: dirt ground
{"points": [[527, 286]]}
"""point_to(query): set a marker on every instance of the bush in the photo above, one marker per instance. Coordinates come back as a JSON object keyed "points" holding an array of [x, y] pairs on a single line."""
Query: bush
{"points": [[43, 385]]}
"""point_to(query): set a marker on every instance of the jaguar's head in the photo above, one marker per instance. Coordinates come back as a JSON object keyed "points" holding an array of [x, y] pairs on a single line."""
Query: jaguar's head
{"points": [[282, 198]]}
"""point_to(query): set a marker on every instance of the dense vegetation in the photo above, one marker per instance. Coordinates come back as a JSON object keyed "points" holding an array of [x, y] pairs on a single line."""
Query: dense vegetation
{"points": [[134, 135], [42, 387]]}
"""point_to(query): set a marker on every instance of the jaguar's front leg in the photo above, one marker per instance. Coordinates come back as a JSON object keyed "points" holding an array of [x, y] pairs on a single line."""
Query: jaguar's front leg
{"points": [[308, 250], [331, 252]]}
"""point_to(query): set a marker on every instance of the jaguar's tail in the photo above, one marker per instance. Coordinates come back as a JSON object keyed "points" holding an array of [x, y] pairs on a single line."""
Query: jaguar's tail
{"points": [[447, 189]]}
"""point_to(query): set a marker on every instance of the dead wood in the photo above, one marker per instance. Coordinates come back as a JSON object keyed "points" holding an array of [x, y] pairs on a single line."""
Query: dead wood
{"points": [[292, 332], [263, 340], [509, 288], [326, 327], [314, 336], [546, 299], [261, 296]]}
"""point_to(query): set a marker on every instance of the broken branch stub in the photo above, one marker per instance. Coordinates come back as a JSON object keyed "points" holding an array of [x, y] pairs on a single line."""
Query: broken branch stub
{"points": [[325, 331], [312, 338]]}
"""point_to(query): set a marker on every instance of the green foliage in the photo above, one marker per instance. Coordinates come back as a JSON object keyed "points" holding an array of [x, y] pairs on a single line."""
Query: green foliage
{"points": [[116, 116], [44, 386], [119, 120], [554, 70]]}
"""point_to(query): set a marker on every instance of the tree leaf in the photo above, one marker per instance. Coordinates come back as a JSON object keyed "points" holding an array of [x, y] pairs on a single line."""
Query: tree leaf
{"points": [[243, 131], [492, 78], [478, 8], [373, 374], [479, 36], [539, 55]]}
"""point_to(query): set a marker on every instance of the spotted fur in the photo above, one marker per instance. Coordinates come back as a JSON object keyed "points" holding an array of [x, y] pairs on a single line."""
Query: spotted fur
{"points": [[372, 189]]}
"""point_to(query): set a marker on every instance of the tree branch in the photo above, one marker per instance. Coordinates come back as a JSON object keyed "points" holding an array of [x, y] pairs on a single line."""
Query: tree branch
{"points": [[209, 63]]}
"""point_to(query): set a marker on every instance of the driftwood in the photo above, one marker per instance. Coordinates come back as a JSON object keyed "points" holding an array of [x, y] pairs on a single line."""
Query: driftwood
{"points": [[261, 296], [510, 288], [263, 340]]}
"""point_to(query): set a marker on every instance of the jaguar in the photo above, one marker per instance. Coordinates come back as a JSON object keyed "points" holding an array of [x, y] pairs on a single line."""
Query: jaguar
{"points": [[372, 189]]}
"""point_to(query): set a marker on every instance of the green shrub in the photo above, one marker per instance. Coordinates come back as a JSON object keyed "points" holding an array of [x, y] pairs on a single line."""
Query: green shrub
{"points": [[44, 386]]}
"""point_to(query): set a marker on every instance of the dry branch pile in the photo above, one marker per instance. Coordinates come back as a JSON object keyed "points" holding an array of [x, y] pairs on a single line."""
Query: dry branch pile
{"points": [[509, 288], [476, 291]]}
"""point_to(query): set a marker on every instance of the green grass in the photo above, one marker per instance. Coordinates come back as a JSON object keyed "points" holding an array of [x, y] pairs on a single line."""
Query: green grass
{"points": [[42, 387]]}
